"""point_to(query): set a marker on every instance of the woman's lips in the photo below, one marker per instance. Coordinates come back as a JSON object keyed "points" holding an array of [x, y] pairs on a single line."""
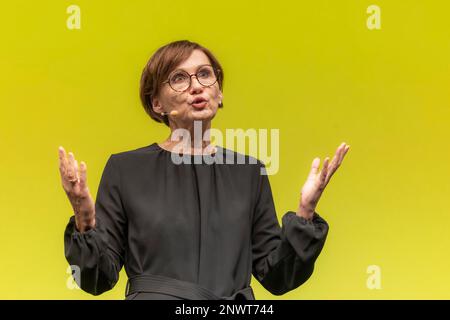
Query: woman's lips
{"points": [[200, 104]]}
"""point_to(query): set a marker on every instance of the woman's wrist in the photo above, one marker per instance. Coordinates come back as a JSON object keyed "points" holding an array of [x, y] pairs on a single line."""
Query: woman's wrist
{"points": [[83, 225], [306, 212]]}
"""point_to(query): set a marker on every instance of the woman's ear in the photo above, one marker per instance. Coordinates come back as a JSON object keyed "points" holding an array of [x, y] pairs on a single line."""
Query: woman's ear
{"points": [[156, 105]]}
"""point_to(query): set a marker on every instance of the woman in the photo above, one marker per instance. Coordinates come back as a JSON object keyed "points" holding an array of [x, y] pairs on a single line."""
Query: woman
{"points": [[189, 230]]}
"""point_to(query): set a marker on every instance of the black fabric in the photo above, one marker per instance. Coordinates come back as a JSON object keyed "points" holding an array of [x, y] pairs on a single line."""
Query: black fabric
{"points": [[178, 288], [211, 224]]}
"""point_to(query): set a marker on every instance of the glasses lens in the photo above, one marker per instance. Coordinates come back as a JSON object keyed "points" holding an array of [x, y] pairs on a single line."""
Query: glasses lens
{"points": [[206, 76], [179, 81]]}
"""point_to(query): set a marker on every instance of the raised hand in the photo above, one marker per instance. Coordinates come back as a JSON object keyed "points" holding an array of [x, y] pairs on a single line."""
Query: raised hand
{"points": [[317, 181], [73, 179]]}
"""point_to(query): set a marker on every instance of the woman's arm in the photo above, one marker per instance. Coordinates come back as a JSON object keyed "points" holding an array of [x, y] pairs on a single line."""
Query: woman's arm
{"points": [[283, 258], [99, 252]]}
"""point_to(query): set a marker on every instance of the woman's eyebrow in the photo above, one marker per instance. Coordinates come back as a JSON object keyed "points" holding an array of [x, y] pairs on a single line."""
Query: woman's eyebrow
{"points": [[198, 67]]}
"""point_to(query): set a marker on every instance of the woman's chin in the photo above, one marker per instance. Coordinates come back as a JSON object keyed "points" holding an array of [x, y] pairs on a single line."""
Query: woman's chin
{"points": [[203, 114]]}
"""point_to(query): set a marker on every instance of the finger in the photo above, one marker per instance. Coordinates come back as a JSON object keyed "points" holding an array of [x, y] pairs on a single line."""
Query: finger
{"points": [[62, 161], [77, 175], [323, 173], [314, 167], [344, 152], [71, 175], [339, 153], [83, 174], [330, 173], [335, 162], [61, 154]]}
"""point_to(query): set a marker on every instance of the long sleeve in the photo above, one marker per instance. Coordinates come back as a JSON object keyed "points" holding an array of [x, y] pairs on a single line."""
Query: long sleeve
{"points": [[283, 258], [99, 253]]}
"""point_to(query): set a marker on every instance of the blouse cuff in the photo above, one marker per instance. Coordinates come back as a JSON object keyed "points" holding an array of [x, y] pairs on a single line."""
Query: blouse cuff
{"points": [[83, 248], [306, 237], [72, 228]]}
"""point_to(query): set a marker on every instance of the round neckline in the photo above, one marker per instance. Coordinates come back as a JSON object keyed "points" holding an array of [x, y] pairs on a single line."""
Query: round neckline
{"points": [[158, 147]]}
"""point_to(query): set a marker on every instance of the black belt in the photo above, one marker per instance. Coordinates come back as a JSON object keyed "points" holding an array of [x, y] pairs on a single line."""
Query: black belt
{"points": [[179, 288]]}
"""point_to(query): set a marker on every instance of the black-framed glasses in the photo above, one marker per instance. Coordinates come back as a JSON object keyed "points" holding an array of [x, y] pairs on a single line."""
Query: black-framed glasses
{"points": [[180, 80]]}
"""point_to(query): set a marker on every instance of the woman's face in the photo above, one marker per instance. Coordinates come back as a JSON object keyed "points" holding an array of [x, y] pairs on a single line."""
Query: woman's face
{"points": [[183, 102]]}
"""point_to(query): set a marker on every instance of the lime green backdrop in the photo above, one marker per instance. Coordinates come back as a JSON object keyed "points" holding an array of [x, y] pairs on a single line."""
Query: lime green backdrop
{"points": [[309, 68]]}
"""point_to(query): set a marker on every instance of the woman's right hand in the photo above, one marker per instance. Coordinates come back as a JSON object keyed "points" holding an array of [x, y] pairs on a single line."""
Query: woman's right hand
{"points": [[74, 183]]}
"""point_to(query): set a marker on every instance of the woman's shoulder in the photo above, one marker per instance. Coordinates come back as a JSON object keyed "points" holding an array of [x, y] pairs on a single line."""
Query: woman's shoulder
{"points": [[133, 154]]}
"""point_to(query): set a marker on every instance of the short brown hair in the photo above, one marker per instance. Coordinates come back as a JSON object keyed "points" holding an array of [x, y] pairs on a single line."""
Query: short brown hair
{"points": [[161, 64]]}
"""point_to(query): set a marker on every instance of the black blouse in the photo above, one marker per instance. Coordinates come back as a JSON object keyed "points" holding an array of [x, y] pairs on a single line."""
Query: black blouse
{"points": [[210, 225]]}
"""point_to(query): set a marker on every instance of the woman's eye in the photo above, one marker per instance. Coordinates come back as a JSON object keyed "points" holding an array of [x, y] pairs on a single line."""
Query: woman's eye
{"points": [[178, 78], [204, 73]]}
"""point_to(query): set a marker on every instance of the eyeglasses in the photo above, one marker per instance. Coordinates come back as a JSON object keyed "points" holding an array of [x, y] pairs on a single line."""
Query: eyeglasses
{"points": [[180, 80]]}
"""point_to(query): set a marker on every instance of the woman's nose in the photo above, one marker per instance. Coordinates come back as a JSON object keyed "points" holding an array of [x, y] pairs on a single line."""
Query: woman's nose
{"points": [[195, 84]]}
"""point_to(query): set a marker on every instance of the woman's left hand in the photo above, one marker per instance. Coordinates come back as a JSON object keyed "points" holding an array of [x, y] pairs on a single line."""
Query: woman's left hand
{"points": [[317, 181]]}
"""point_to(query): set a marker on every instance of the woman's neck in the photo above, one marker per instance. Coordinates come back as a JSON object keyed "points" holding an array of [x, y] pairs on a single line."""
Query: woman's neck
{"points": [[196, 142]]}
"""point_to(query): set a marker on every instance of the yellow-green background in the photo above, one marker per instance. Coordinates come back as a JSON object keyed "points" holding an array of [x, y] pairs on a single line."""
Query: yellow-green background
{"points": [[309, 68]]}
